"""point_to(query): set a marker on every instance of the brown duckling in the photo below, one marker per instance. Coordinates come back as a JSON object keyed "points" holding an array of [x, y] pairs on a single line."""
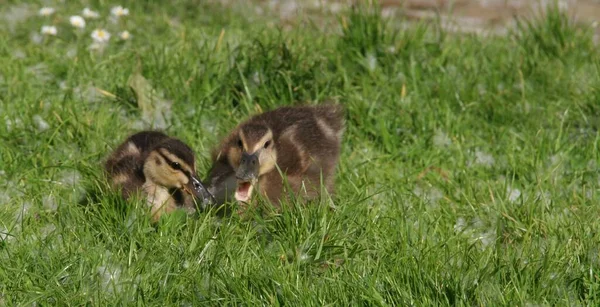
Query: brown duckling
{"points": [[302, 143], [162, 168]]}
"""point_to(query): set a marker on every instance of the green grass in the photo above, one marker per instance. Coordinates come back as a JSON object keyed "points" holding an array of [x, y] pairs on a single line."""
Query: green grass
{"points": [[469, 173]]}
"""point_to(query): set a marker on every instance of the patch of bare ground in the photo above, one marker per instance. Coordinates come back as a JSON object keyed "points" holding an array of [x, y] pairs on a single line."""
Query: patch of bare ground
{"points": [[493, 17]]}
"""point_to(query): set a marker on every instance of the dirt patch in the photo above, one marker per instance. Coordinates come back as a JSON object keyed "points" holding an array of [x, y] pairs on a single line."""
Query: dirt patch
{"points": [[463, 16], [495, 16]]}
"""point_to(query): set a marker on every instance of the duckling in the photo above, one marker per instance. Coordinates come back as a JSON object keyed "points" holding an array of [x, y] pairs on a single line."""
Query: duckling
{"points": [[302, 143], [162, 168]]}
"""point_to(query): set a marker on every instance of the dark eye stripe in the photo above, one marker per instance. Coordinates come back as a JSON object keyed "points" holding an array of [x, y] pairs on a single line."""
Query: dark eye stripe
{"points": [[165, 157], [169, 161]]}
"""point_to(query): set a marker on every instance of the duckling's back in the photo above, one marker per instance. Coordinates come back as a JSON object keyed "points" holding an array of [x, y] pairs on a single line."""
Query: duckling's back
{"points": [[309, 147], [280, 119], [306, 133]]}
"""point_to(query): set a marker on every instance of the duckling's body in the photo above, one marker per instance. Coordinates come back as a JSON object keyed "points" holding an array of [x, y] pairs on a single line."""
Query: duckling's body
{"points": [[302, 142], [161, 168]]}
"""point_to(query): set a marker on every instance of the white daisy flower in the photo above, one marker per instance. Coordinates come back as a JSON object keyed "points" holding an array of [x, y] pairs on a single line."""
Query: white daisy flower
{"points": [[46, 11], [119, 11], [125, 35], [77, 21], [100, 36], [88, 13], [49, 30]]}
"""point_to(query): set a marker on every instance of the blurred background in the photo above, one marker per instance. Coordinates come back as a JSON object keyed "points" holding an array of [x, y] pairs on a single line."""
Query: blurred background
{"points": [[469, 16]]}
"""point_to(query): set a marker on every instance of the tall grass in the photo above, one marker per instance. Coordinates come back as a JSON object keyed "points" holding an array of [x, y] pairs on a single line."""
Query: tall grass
{"points": [[469, 173]]}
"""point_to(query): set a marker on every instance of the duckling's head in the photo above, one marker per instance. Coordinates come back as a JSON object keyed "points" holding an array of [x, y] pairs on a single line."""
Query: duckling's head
{"points": [[171, 164], [252, 155]]}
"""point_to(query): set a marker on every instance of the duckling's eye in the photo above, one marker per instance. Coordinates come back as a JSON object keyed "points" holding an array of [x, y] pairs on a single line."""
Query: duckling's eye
{"points": [[239, 144], [176, 165], [267, 144]]}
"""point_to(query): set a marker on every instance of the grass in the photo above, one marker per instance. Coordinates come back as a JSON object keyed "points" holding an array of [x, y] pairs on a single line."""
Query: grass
{"points": [[469, 173]]}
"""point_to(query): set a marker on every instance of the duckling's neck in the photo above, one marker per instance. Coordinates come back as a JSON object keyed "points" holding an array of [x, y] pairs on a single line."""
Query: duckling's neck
{"points": [[159, 198]]}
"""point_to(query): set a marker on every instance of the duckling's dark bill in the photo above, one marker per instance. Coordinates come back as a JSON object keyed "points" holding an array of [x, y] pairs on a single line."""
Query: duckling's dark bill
{"points": [[246, 175], [197, 189], [248, 169]]}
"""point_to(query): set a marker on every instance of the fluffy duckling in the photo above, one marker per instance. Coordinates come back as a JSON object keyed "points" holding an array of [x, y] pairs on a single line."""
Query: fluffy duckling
{"points": [[162, 168], [302, 142]]}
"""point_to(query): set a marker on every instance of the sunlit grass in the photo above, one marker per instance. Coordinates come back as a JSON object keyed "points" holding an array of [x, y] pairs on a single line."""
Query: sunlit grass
{"points": [[469, 172]]}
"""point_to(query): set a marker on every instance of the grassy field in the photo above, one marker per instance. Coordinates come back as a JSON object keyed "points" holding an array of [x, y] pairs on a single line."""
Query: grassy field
{"points": [[469, 173]]}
